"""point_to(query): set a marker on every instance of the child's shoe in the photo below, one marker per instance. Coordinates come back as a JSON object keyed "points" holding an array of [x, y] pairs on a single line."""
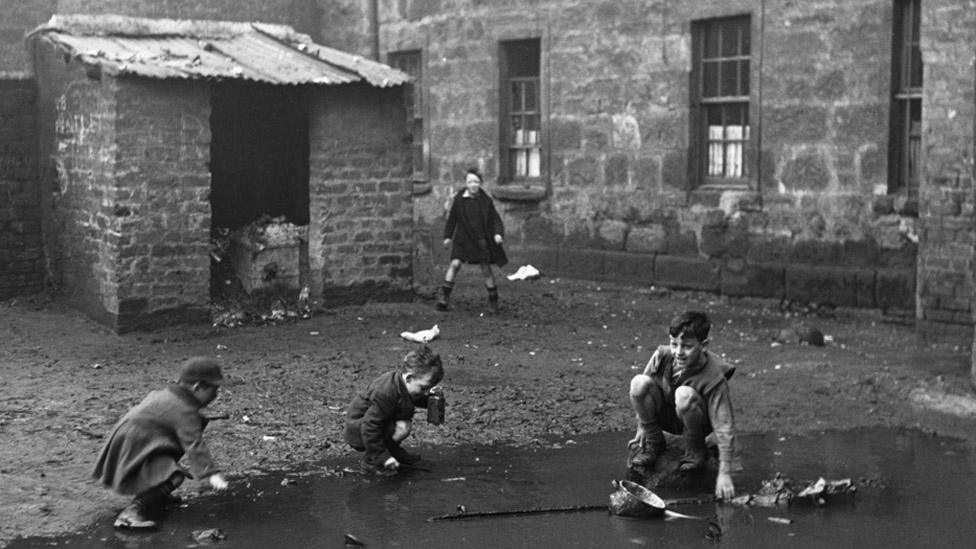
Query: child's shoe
{"points": [[133, 516], [404, 456], [695, 455]]}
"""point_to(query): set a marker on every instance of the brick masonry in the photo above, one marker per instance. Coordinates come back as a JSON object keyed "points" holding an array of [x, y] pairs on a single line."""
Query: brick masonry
{"points": [[21, 252]]}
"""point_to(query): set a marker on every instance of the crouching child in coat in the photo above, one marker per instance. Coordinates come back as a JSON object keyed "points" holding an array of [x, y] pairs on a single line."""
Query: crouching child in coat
{"points": [[142, 454], [380, 416]]}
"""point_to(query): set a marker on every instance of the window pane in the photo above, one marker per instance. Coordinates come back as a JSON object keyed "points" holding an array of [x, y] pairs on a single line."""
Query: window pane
{"points": [[517, 95], [730, 40], [523, 57], [710, 79], [915, 80], [530, 99], [730, 78], [711, 41], [744, 77], [745, 47]]}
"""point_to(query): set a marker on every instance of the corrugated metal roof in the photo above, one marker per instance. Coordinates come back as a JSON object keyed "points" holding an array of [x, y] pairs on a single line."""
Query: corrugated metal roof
{"points": [[167, 48]]}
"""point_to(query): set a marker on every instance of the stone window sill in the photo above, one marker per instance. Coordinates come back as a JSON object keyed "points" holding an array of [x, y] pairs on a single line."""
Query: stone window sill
{"points": [[519, 193]]}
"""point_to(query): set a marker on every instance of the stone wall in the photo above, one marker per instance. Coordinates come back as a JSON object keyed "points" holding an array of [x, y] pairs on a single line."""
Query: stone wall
{"points": [[21, 252], [946, 217], [360, 233], [815, 224], [159, 212], [77, 118]]}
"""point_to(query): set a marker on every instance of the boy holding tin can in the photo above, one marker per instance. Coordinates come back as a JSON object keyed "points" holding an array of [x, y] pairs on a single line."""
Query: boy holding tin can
{"points": [[379, 418]]}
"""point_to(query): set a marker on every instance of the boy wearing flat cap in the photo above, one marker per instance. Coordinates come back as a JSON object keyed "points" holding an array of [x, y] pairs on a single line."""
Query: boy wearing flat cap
{"points": [[142, 454]]}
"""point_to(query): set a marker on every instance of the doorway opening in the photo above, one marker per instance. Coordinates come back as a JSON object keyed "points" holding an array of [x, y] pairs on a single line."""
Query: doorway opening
{"points": [[259, 197]]}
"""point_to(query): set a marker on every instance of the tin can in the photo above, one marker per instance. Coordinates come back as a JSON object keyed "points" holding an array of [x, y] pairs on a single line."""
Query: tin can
{"points": [[435, 408]]}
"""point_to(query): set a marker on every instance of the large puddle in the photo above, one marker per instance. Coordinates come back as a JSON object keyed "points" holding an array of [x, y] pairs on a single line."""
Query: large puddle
{"points": [[914, 490]]}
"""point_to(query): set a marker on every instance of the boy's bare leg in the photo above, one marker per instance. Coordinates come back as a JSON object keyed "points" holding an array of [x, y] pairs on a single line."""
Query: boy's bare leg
{"points": [[444, 292], [690, 407], [646, 398]]}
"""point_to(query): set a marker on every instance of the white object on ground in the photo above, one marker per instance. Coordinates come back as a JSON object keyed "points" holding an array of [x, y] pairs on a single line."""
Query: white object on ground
{"points": [[525, 272], [423, 336]]}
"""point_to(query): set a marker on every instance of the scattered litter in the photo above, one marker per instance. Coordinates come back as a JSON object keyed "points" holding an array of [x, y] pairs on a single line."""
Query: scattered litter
{"points": [[96, 366], [210, 534], [780, 520], [353, 541], [525, 272], [454, 479], [783, 491], [269, 438], [313, 333], [288, 481], [422, 336]]}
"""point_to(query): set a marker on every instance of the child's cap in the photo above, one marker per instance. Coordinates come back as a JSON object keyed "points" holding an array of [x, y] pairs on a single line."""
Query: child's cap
{"points": [[202, 369]]}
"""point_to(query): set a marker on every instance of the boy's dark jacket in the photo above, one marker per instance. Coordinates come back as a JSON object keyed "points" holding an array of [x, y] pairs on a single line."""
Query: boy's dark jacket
{"points": [[372, 413], [474, 239], [166, 423]]}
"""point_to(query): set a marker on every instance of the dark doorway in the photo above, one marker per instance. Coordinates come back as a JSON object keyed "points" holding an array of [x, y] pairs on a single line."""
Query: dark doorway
{"points": [[258, 153], [259, 196]]}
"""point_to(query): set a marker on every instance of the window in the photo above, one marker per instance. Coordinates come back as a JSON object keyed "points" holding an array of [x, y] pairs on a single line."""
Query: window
{"points": [[720, 101], [411, 62], [521, 110], [906, 100]]}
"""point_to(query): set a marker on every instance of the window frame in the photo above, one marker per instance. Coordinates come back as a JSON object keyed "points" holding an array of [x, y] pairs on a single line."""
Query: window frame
{"points": [[904, 141], [701, 103], [416, 109], [508, 144]]}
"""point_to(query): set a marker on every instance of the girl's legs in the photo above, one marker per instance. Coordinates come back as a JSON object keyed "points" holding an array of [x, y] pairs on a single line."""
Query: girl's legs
{"points": [[444, 292], [490, 286]]}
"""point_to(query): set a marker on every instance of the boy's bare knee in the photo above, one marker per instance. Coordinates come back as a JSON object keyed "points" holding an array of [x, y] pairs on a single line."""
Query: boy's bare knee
{"points": [[402, 430], [640, 385], [685, 398]]}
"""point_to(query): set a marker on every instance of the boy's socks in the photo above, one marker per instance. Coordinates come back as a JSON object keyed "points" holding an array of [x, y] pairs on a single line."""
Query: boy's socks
{"points": [[444, 295], [493, 299]]}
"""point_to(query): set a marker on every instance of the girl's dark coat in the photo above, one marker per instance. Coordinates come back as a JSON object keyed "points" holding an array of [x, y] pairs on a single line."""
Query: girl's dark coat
{"points": [[473, 236]]}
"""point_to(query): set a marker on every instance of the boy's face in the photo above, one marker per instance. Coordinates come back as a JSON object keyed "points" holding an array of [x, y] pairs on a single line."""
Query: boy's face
{"points": [[687, 350], [418, 385], [473, 183], [205, 393]]}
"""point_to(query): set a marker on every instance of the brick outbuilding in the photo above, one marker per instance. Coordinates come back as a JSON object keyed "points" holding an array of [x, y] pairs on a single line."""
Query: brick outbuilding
{"points": [[157, 132]]}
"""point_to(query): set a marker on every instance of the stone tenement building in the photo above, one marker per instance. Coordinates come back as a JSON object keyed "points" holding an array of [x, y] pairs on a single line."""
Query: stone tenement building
{"points": [[818, 152], [814, 152]]}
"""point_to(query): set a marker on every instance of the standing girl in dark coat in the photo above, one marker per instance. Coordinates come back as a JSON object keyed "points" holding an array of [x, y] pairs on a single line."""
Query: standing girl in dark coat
{"points": [[476, 229]]}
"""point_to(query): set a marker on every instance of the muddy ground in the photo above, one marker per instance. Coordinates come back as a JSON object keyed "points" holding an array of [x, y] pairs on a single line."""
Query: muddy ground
{"points": [[556, 362]]}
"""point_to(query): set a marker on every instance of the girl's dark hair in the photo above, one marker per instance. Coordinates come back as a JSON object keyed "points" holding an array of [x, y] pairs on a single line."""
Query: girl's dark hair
{"points": [[476, 173], [690, 323], [422, 361]]}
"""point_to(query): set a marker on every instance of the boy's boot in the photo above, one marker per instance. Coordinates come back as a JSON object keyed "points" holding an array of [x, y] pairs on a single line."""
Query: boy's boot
{"points": [[654, 447], [695, 450], [134, 516], [493, 300], [444, 295]]}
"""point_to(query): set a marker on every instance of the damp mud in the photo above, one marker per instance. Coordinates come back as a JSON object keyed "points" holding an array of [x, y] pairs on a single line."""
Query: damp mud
{"points": [[913, 490], [554, 366]]}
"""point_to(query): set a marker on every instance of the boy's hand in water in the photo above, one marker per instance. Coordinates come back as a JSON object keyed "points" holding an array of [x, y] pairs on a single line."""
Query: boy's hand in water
{"points": [[218, 482]]}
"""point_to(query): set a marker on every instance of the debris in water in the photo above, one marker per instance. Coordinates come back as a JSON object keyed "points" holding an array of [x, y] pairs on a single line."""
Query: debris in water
{"points": [[780, 520], [353, 541], [210, 534]]}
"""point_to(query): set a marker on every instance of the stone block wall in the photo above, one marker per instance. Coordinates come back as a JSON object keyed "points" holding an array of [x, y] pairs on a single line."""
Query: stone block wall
{"points": [[616, 78], [159, 211], [946, 209], [361, 227], [21, 252]]}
